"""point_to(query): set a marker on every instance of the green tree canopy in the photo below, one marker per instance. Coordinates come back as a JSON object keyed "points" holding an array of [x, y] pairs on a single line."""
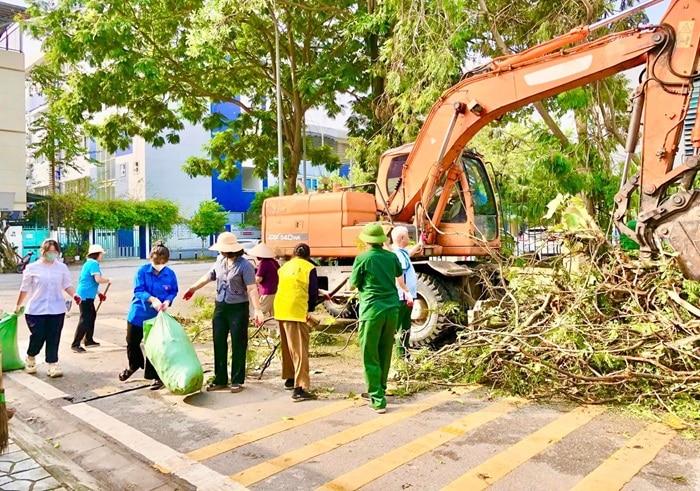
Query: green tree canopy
{"points": [[209, 219], [157, 66]]}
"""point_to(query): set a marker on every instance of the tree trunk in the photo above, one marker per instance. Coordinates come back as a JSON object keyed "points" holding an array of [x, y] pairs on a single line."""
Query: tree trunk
{"points": [[581, 120]]}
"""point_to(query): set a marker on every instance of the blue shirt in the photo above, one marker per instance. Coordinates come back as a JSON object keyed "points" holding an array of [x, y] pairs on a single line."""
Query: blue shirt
{"points": [[148, 284], [409, 274], [87, 286], [232, 282]]}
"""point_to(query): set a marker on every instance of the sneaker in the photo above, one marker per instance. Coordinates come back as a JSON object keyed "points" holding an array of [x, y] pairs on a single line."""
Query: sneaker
{"points": [[54, 372], [30, 367], [235, 388], [289, 384], [78, 349], [94, 344], [380, 410], [301, 395], [365, 396]]}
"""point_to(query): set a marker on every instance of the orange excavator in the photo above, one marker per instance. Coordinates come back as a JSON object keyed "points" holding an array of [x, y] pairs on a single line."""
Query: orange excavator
{"points": [[441, 191]]}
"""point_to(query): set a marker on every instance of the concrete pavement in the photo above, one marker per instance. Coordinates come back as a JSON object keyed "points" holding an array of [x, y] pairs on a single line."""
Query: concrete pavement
{"points": [[125, 436]]}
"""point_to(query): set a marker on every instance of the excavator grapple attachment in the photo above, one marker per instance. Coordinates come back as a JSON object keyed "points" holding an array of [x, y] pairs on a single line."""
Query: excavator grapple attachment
{"points": [[683, 234]]}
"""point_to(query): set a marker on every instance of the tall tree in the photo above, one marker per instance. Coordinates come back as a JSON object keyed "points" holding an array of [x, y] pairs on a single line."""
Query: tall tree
{"points": [[429, 46], [56, 140], [157, 65]]}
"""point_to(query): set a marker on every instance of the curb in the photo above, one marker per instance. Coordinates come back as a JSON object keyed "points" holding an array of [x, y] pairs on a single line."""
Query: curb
{"points": [[64, 470]]}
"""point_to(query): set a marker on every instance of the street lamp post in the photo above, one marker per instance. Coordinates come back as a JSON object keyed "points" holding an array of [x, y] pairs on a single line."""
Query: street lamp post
{"points": [[280, 156]]}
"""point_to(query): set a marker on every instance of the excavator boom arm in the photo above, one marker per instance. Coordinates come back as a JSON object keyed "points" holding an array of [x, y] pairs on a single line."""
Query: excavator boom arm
{"points": [[670, 51]]}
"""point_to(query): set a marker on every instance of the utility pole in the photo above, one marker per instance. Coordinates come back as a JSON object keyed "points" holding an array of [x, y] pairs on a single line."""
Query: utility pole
{"points": [[280, 156]]}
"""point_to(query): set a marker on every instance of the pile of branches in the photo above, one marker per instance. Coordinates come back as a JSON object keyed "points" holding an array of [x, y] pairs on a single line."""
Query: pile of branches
{"points": [[597, 327]]}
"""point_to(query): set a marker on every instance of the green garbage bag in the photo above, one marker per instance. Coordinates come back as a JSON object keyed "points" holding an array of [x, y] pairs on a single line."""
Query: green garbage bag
{"points": [[170, 351], [11, 360]]}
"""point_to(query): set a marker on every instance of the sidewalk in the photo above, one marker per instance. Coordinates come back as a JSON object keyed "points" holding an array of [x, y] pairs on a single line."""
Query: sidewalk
{"points": [[19, 471], [32, 464]]}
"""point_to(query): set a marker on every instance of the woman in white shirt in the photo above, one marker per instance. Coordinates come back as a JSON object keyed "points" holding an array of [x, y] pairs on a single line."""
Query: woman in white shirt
{"points": [[44, 282]]}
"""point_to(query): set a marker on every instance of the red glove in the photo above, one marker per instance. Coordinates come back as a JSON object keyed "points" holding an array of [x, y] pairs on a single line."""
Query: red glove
{"points": [[77, 299], [409, 303], [102, 297], [188, 294]]}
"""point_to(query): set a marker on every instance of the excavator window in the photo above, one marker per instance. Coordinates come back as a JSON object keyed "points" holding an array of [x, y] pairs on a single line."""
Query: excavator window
{"points": [[483, 199], [393, 177]]}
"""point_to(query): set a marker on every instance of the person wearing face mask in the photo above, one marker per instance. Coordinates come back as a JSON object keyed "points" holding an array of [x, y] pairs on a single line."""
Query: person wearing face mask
{"points": [[155, 288], [236, 288], [44, 282]]}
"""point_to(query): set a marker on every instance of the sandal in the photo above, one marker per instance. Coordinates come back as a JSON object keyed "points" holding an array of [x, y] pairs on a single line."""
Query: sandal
{"points": [[128, 372], [30, 367], [235, 388], [213, 387]]}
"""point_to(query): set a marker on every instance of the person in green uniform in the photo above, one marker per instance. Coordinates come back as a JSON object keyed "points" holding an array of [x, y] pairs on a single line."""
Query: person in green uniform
{"points": [[375, 274]]}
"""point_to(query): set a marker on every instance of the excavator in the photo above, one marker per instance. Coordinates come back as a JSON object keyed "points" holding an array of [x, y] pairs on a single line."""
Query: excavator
{"points": [[442, 192]]}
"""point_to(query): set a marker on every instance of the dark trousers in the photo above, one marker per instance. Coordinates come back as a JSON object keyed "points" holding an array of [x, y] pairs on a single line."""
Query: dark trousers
{"points": [[403, 331], [86, 323], [134, 335], [45, 329], [230, 318]]}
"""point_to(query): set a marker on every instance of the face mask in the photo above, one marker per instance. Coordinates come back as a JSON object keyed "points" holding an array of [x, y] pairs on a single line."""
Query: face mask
{"points": [[51, 256], [158, 267]]}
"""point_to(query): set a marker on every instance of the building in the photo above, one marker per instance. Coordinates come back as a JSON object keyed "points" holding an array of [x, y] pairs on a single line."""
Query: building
{"points": [[13, 190], [142, 172]]}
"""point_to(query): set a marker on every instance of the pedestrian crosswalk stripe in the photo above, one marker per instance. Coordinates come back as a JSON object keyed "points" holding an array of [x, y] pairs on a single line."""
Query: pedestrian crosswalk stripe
{"points": [[285, 461], [498, 466], [623, 465], [241, 439], [396, 458]]}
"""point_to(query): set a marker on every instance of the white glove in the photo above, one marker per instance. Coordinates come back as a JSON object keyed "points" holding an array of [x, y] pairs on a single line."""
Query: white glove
{"points": [[156, 304]]}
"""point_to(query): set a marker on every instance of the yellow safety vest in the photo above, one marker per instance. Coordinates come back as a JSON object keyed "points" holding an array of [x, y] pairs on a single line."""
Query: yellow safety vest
{"points": [[292, 298]]}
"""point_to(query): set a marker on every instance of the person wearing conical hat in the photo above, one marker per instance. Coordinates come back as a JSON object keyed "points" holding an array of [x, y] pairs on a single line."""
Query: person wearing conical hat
{"points": [[375, 274], [235, 290]]}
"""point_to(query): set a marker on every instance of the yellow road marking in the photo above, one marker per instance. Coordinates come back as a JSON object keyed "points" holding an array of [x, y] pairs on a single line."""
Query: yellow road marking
{"points": [[388, 462], [498, 466], [285, 461], [241, 439], [623, 465]]}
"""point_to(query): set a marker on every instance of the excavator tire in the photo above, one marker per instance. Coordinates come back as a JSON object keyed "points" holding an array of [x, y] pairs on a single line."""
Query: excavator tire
{"points": [[340, 308], [427, 323]]}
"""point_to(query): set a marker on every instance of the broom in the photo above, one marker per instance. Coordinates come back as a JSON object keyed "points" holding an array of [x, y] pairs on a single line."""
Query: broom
{"points": [[4, 430], [100, 304]]}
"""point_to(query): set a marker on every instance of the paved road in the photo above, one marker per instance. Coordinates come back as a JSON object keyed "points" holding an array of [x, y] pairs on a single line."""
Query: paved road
{"points": [[449, 439]]}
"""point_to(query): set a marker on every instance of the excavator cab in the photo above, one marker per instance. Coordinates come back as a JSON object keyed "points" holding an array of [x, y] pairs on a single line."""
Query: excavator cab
{"points": [[461, 211], [471, 200]]}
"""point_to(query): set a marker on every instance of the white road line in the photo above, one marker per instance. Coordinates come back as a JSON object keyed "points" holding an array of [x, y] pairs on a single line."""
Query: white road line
{"points": [[36, 385], [164, 457]]}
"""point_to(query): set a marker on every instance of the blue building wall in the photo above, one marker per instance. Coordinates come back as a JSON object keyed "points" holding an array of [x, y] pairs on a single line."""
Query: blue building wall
{"points": [[230, 194]]}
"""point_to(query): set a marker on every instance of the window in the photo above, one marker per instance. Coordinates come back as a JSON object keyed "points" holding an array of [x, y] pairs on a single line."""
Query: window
{"points": [[136, 167], [249, 181], [122, 170], [483, 200], [393, 177]]}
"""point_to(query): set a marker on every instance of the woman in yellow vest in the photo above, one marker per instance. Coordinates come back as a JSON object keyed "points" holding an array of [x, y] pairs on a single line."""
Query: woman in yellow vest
{"points": [[297, 292]]}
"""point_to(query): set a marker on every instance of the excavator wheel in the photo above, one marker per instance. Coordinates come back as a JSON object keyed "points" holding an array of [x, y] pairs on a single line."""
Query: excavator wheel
{"points": [[341, 308], [428, 323]]}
